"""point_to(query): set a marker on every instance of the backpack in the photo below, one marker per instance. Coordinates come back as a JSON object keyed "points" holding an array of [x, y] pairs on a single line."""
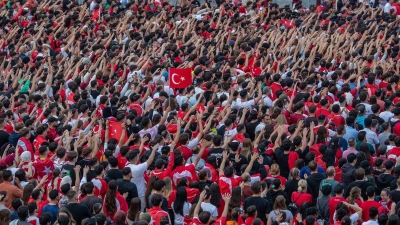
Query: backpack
{"points": [[292, 207], [324, 183]]}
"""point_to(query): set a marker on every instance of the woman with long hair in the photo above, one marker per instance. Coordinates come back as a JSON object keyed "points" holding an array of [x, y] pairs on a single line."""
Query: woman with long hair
{"points": [[133, 213], [247, 148], [236, 199], [293, 183], [149, 190], [113, 201], [26, 194], [65, 212], [216, 198], [279, 206], [354, 197], [169, 193], [5, 216], [180, 206]]}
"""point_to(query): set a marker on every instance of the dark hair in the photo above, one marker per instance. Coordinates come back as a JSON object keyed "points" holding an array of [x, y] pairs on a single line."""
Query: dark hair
{"points": [[23, 212], [181, 199], [110, 203]]}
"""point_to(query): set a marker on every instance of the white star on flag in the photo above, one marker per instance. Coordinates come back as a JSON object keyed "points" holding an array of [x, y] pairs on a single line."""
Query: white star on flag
{"points": [[182, 78], [47, 170]]}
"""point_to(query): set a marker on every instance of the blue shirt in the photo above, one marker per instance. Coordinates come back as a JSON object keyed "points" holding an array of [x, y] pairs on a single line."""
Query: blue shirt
{"points": [[350, 133], [53, 210], [306, 170]]}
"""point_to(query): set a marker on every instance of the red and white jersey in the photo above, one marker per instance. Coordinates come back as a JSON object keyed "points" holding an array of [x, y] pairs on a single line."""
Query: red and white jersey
{"points": [[25, 166], [188, 171], [100, 187], [23, 145], [33, 220], [226, 184]]}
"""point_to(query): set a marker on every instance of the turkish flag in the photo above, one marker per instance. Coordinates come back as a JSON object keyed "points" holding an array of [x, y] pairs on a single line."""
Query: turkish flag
{"points": [[115, 130], [44, 167], [180, 78]]}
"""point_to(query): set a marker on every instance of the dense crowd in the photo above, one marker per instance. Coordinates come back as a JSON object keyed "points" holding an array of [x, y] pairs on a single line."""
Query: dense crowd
{"points": [[180, 112]]}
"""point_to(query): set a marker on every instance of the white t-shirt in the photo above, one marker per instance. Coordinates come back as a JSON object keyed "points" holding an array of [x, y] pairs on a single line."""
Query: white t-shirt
{"points": [[386, 115], [209, 208], [138, 178], [178, 217], [387, 8], [370, 222]]}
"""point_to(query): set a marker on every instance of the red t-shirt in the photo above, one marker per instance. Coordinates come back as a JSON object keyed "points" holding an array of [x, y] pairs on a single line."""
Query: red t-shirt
{"points": [[227, 183], [294, 117], [300, 197], [332, 203], [366, 206]]}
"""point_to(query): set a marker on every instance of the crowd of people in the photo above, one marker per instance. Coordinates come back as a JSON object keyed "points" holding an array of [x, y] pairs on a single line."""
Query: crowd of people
{"points": [[290, 115]]}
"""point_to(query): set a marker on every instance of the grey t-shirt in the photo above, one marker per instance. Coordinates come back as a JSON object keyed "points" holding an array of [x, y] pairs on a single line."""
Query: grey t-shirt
{"points": [[89, 201], [274, 213], [383, 137]]}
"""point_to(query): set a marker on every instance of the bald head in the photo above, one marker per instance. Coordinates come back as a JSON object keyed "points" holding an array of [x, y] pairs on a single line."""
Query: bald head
{"points": [[330, 172]]}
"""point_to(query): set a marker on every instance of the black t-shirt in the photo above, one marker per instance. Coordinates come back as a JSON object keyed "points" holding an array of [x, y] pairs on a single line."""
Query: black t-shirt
{"points": [[261, 204], [302, 154], [217, 152], [311, 119], [237, 165], [251, 129], [373, 116], [282, 159], [90, 175], [94, 93], [83, 163], [69, 168], [395, 195], [113, 174], [79, 212], [3, 138], [89, 201]]}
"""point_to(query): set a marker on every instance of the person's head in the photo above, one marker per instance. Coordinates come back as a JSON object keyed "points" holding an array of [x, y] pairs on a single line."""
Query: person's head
{"points": [[127, 173], [280, 203], [5, 216], [72, 196], [370, 192], [302, 186], [373, 213], [7, 175], [338, 189], [156, 200], [134, 209], [45, 218], [63, 220], [359, 174], [256, 187], [23, 213], [385, 194]]}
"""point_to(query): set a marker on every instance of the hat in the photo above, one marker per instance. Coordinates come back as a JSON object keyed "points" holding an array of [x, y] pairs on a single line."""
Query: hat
{"points": [[282, 97], [52, 119], [85, 61], [338, 188], [146, 217], [131, 43], [9, 159], [83, 85], [321, 117], [26, 156], [66, 180]]}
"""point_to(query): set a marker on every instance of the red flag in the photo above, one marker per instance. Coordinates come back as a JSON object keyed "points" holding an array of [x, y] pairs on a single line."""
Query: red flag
{"points": [[44, 167], [115, 130], [180, 78]]}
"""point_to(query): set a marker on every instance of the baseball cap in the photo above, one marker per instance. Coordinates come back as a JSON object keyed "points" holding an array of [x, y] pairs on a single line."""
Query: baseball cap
{"points": [[321, 117]]}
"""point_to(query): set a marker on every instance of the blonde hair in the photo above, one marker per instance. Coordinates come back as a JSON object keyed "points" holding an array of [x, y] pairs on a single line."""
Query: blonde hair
{"points": [[302, 185], [355, 192], [274, 169], [281, 120], [247, 148], [294, 173], [168, 187]]}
